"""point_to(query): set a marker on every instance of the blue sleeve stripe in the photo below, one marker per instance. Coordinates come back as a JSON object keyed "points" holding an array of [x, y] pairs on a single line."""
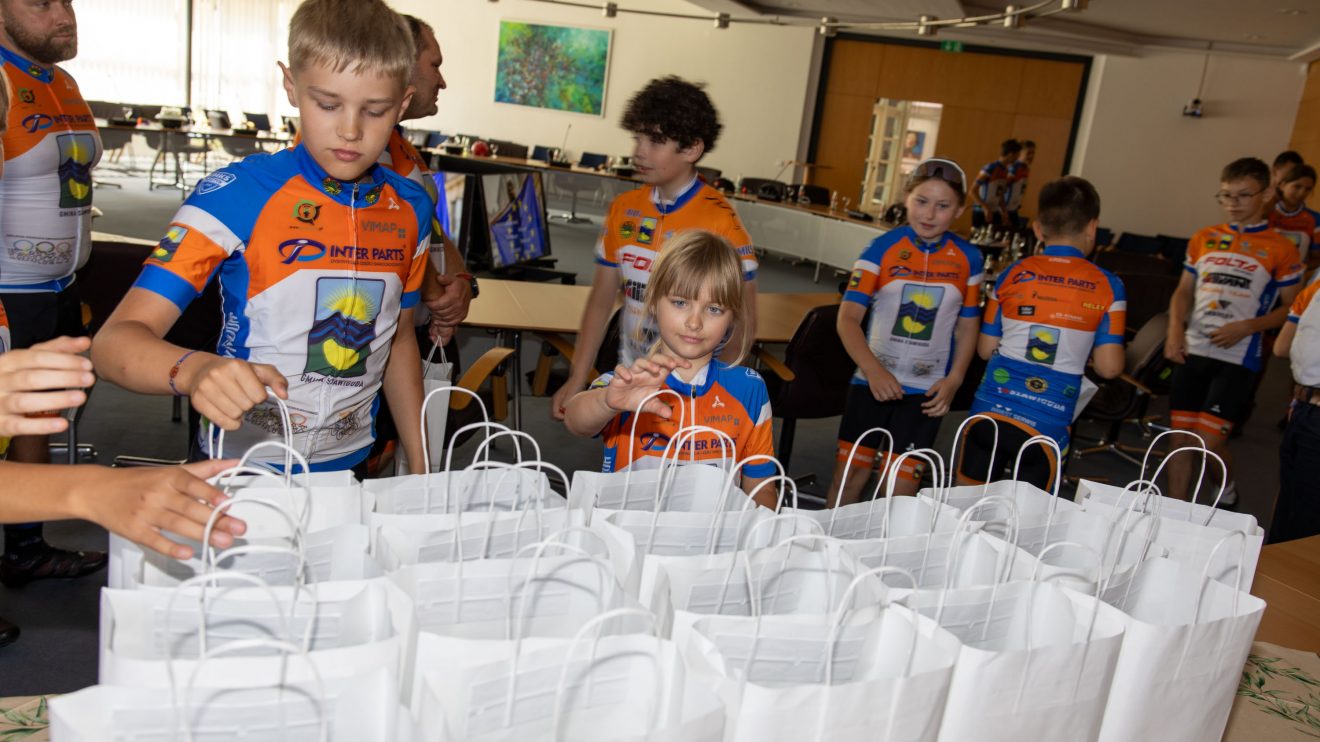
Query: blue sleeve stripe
{"points": [[157, 280], [1189, 269], [1294, 318], [606, 263], [1288, 282], [991, 329], [857, 297], [410, 299], [1108, 340], [759, 470], [749, 276], [970, 312]]}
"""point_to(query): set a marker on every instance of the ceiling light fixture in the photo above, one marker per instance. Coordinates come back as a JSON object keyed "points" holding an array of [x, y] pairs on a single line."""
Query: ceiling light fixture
{"points": [[1013, 16]]}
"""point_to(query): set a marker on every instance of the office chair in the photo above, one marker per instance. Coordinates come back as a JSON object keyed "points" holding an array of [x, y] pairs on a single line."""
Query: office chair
{"points": [[816, 195], [772, 190], [1103, 238], [542, 153], [260, 121], [545, 381], [593, 160], [1124, 399], [1138, 243], [812, 380], [435, 139], [1124, 263], [709, 174], [724, 185], [291, 124], [1174, 249]]}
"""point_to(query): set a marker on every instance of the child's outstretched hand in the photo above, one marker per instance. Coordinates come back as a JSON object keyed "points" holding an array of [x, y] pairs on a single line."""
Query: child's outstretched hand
{"points": [[48, 376], [632, 385]]}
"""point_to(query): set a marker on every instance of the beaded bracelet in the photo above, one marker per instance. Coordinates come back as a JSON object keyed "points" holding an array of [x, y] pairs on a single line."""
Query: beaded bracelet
{"points": [[175, 372]]}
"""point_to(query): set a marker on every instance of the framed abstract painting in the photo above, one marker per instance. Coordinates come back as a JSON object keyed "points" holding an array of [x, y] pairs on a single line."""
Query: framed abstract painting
{"points": [[563, 68]]}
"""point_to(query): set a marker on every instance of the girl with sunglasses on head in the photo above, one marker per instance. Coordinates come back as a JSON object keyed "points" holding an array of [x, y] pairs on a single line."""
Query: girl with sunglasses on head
{"points": [[909, 320]]}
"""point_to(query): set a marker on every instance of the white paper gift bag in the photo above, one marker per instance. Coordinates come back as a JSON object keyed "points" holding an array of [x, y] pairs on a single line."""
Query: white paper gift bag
{"points": [[363, 707], [547, 589], [801, 574], [402, 540], [1188, 531], [875, 673], [616, 688], [347, 628], [1036, 663], [438, 386], [668, 480], [1186, 639], [486, 486]]}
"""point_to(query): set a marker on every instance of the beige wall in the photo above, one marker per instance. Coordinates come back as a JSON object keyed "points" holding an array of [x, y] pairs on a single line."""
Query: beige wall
{"points": [[757, 76], [1156, 169], [1306, 128]]}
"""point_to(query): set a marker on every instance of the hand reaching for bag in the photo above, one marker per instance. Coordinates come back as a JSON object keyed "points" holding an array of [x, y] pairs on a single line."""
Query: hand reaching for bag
{"points": [[632, 385]]}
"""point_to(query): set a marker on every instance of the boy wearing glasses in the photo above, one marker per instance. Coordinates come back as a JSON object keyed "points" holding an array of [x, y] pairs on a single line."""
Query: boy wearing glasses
{"points": [[1225, 301]]}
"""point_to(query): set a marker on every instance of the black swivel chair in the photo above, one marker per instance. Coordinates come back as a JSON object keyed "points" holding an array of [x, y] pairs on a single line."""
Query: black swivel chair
{"points": [[593, 160], [724, 185], [1174, 249], [435, 139], [1126, 398], [709, 174], [771, 190], [1139, 243], [542, 153], [812, 380], [291, 124], [1103, 238], [816, 195]]}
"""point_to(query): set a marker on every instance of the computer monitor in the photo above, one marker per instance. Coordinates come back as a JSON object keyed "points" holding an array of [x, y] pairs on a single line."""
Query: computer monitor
{"points": [[515, 217], [259, 121], [454, 197]]}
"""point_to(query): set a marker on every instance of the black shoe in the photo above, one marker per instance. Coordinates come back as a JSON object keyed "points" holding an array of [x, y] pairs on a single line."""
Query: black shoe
{"points": [[45, 562], [8, 632]]}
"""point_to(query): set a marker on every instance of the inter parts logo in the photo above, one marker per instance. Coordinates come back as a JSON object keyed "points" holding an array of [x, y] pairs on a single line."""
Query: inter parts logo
{"points": [[306, 211], [300, 250], [654, 441], [37, 122]]}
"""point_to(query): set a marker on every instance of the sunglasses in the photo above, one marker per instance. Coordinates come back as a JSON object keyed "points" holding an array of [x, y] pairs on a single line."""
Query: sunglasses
{"points": [[946, 170]]}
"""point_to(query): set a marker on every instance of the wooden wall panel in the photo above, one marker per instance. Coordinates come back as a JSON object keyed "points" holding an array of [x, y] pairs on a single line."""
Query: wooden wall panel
{"points": [[1051, 137], [855, 68], [1049, 88], [971, 137], [987, 98], [1306, 127], [841, 149]]}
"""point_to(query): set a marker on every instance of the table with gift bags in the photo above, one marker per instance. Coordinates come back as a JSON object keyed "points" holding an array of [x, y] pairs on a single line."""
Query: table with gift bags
{"points": [[504, 599]]}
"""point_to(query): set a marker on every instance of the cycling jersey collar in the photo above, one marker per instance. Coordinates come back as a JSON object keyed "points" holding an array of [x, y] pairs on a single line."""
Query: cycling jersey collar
{"points": [[1278, 206], [1063, 251], [31, 68], [922, 245], [1260, 226], [665, 206], [368, 190], [700, 384]]}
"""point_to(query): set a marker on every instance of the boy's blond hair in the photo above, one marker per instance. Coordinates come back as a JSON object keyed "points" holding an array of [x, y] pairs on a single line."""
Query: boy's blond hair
{"points": [[355, 35], [696, 260]]}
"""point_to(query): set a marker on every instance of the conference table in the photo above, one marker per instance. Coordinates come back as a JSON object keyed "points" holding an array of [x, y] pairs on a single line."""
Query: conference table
{"points": [[175, 141], [804, 232], [515, 307]]}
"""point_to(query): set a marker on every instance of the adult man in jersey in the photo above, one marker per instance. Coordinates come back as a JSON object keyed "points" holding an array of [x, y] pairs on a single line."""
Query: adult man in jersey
{"points": [[448, 293], [50, 147]]}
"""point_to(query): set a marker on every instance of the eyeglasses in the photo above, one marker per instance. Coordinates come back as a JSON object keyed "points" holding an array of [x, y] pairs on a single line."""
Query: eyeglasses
{"points": [[1225, 198], [946, 170]]}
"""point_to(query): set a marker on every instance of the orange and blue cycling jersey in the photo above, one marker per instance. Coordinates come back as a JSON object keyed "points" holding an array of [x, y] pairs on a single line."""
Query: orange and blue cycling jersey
{"points": [[730, 399], [1049, 311], [51, 146], [313, 275], [634, 233], [1305, 352], [992, 183], [5, 342], [1301, 227], [1017, 174], [1238, 273], [915, 293]]}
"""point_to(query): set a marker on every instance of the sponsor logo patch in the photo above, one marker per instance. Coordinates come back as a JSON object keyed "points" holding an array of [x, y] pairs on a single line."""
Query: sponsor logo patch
{"points": [[307, 211], [214, 182]]}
